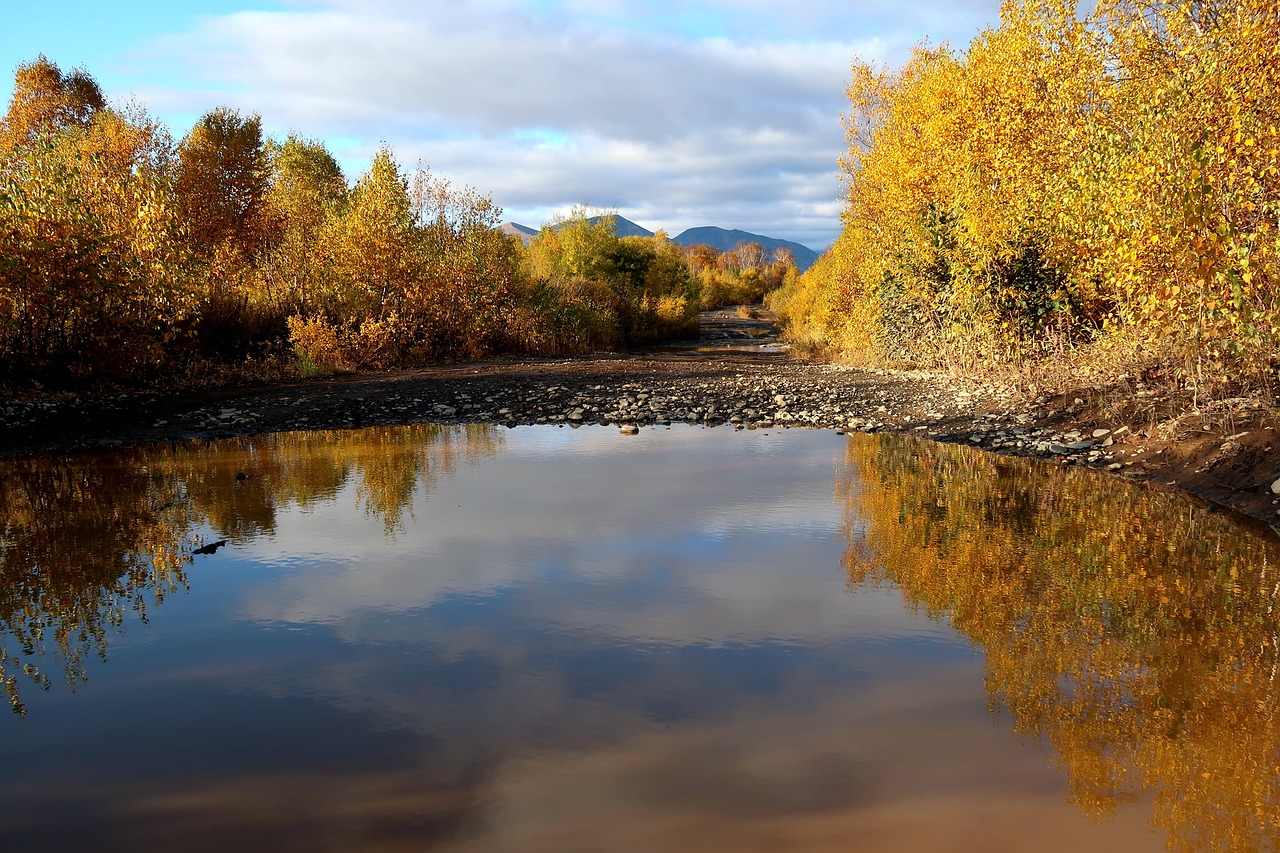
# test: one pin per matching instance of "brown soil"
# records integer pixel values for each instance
(1225, 452)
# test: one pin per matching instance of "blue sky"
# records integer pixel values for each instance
(724, 112)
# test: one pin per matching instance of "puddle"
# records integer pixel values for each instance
(472, 638)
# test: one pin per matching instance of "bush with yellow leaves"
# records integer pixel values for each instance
(1067, 181)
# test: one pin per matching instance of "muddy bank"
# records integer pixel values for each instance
(735, 376)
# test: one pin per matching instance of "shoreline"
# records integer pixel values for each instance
(1222, 454)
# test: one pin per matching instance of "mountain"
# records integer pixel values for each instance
(624, 227)
(621, 226)
(723, 240)
(515, 229)
(717, 238)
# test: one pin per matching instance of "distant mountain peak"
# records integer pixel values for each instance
(622, 226)
(721, 239)
(724, 240)
(523, 233)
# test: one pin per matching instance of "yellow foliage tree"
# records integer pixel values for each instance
(305, 186)
(89, 255)
(1066, 184)
(46, 101)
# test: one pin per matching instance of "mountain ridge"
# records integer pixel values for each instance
(721, 239)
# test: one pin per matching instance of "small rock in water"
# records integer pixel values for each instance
(628, 429)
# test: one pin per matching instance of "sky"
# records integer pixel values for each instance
(672, 114)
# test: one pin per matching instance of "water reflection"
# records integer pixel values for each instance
(1137, 633)
(550, 639)
(89, 542)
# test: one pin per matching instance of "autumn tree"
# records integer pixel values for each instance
(126, 257)
(576, 246)
(464, 304)
(371, 245)
(45, 101)
(221, 181)
(626, 289)
(1099, 187)
(88, 267)
(701, 257)
(750, 256)
(305, 185)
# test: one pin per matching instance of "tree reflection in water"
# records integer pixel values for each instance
(1135, 631)
(87, 540)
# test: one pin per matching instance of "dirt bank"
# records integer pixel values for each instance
(736, 375)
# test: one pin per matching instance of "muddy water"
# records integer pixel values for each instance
(448, 638)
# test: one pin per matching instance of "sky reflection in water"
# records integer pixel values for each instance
(542, 639)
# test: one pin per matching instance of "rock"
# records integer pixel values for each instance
(1275, 488)
(1099, 433)
(628, 429)
(1081, 445)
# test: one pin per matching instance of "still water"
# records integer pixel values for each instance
(475, 639)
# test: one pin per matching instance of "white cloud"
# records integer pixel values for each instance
(675, 114)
